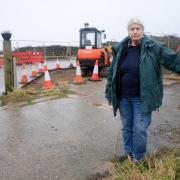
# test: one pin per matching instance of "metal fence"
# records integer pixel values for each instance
(170, 41)
(50, 49)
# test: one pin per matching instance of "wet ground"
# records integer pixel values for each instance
(68, 139)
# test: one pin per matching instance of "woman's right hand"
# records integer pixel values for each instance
(109, 102)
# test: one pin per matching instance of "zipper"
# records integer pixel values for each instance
(117, 61)
(140, 71)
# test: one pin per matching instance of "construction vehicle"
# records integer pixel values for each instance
(91, 49)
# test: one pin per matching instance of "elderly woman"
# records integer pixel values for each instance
(134, 85)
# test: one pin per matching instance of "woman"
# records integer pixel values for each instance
(134, 84)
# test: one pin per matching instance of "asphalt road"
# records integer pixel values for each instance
(67, 139)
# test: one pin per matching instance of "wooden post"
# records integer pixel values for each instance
(68, 51)
(8, 63)
(15, 73)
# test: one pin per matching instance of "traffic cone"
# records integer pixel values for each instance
(95, 75)
(24, 78)
(47, 81)
(45, 67)
(71, 63)
(78, 79)
(33, 72)
(40, 69)
(57, 64)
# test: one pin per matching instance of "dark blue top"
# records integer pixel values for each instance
(129, 73)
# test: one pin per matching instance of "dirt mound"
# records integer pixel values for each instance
(58, 77)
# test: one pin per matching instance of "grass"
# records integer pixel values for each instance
(18, 95)
(164, 165)
(28, 95)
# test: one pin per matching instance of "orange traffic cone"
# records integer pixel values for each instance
(57, 64)
(78, 79)
(40, 69)
(95, 75)
(24, 78)
(47, 81)
(33, 72)
(71, 63)
(45, 67)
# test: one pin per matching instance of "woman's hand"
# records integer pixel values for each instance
(109, 102)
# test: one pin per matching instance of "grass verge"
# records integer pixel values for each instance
(28, 95)
(164, 165)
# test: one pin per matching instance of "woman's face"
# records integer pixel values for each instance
(136, 33)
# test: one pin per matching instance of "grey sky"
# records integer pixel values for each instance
(60, 20)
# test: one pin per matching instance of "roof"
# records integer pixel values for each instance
(89, 29)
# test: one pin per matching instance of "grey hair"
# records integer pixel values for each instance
(135, 21)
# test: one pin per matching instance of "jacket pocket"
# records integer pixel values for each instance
(151, 98)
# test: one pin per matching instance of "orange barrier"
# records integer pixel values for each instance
(1, 61)
(78, 79)
(28, 57)
(47, 81)
(95, 75)
(24, 78)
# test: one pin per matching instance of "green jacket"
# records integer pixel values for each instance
(153, 55)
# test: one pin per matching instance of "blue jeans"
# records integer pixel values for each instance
(135, 125)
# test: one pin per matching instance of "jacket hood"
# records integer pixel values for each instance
(148, 41)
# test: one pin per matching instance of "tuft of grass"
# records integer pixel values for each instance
(163, 165)
(50, 92)
(28, 95)
(60, 91)
(18, 95)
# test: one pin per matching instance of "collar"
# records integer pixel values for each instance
(138, 45)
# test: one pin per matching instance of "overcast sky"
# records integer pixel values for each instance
(60, 20)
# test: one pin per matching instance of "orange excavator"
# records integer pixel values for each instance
(91, 49)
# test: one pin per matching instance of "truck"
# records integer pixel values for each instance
(91, 49)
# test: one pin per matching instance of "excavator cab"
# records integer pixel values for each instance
(91, 49)
(90, 38)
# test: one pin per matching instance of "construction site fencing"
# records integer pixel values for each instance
(50, 49)
(26, 52)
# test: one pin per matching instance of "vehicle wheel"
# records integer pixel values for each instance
(86, 72)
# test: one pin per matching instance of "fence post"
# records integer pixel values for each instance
(8, 62)
(15, 72)
(68, 51)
